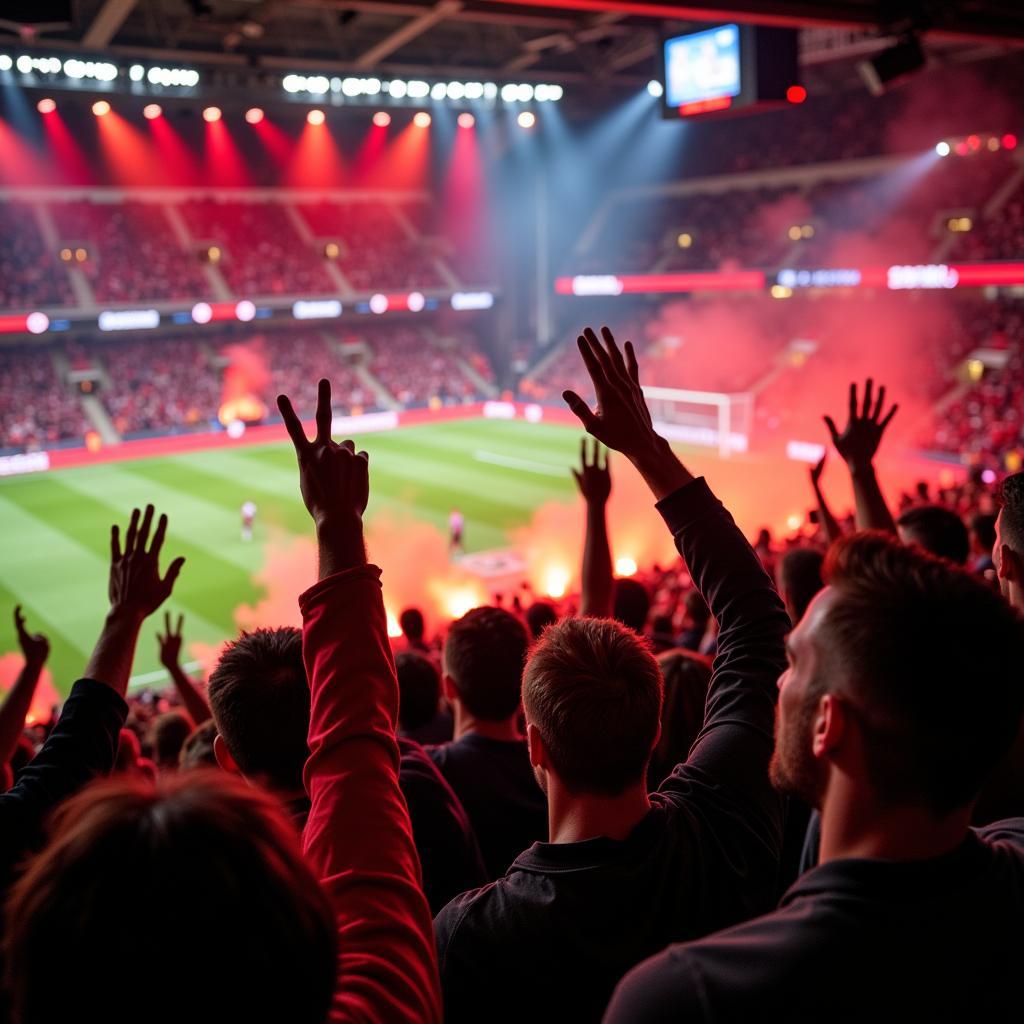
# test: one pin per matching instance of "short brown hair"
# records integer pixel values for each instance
(483, 655)
(593, 689)
(259, 698)
(928, 655)
(223, 893)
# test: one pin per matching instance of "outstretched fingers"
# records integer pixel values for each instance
(323, 411)
(292, 423)
(581, 410)
(133, 529)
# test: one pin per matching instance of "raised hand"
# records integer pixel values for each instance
(817, 470)
(593, 478)
(136, 587)
(622, 420)
(334, 481)
(858, 443)
(170, 642)
(34, 646)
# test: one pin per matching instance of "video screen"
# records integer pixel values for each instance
(702, 65)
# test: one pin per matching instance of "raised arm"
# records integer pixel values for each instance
(857, 445)
(84, 741)
(829, 523)
(170, 657)
(736, 741)
(358, 836)
(36, 648)
(594, 481)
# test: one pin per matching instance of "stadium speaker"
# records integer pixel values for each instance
(891, 66)
(37, 12)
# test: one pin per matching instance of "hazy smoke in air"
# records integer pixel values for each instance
(46, 696)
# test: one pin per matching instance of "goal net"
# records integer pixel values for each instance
(705, 418)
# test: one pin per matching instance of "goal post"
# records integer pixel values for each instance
(709, 419)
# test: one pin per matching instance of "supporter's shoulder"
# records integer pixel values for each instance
(468, 917)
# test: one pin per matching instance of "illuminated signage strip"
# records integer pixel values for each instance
(128, 320)
(898, 277)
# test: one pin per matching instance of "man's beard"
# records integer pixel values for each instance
(792, 768)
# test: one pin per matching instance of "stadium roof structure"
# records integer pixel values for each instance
(564, 41)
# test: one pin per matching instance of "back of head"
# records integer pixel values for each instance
(926, 653)
(167, 736)
(593, 690)
(483, 655)
(686, 679)
(197, 751)
(632, 603)
(129, 750)
(225, 899)
(937, 529)
(983, 532)
(799, 577)
(539, 616)
(412, 624)
(259, 698)
(419, 689)
(1011, 513)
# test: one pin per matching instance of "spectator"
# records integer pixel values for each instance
(1008, 553)
(413, 629)
(799, 579)
(167, 736)
(487, 763)
(539, 616)
(983, 541)
(421, 716)
(937, 530)
(260, 702)
(197, 751)
(631, 604)
(624, 870)
(909, 909)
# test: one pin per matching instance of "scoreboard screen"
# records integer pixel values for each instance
(703, 66)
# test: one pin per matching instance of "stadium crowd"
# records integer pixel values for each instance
(765, 781)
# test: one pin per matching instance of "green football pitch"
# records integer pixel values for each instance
(55, 527)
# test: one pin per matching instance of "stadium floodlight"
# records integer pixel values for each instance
(254, 115)
(526, 119)
(351, 87)
(212, 114)
(202, 313)
(371, 86)
(101, 108)
(655, 88)
(418, 90)
(555, 93)
(438, 91)
(46, 105)
(378, 304)
(5, 62)
(942, 148)
(245, 311)
(316, 117)
(490, 91)
(177, 77)
(474, 90)
(422, 119)
(524, 93)
(509, 93)
(37, 323)
(382, 119)
(136, 72)
(456, 90)
(101, 70)
(151, 111)
(416, 302)
(466, 120)
(398, 89)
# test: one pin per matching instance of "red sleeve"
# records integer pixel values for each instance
(358, 838)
